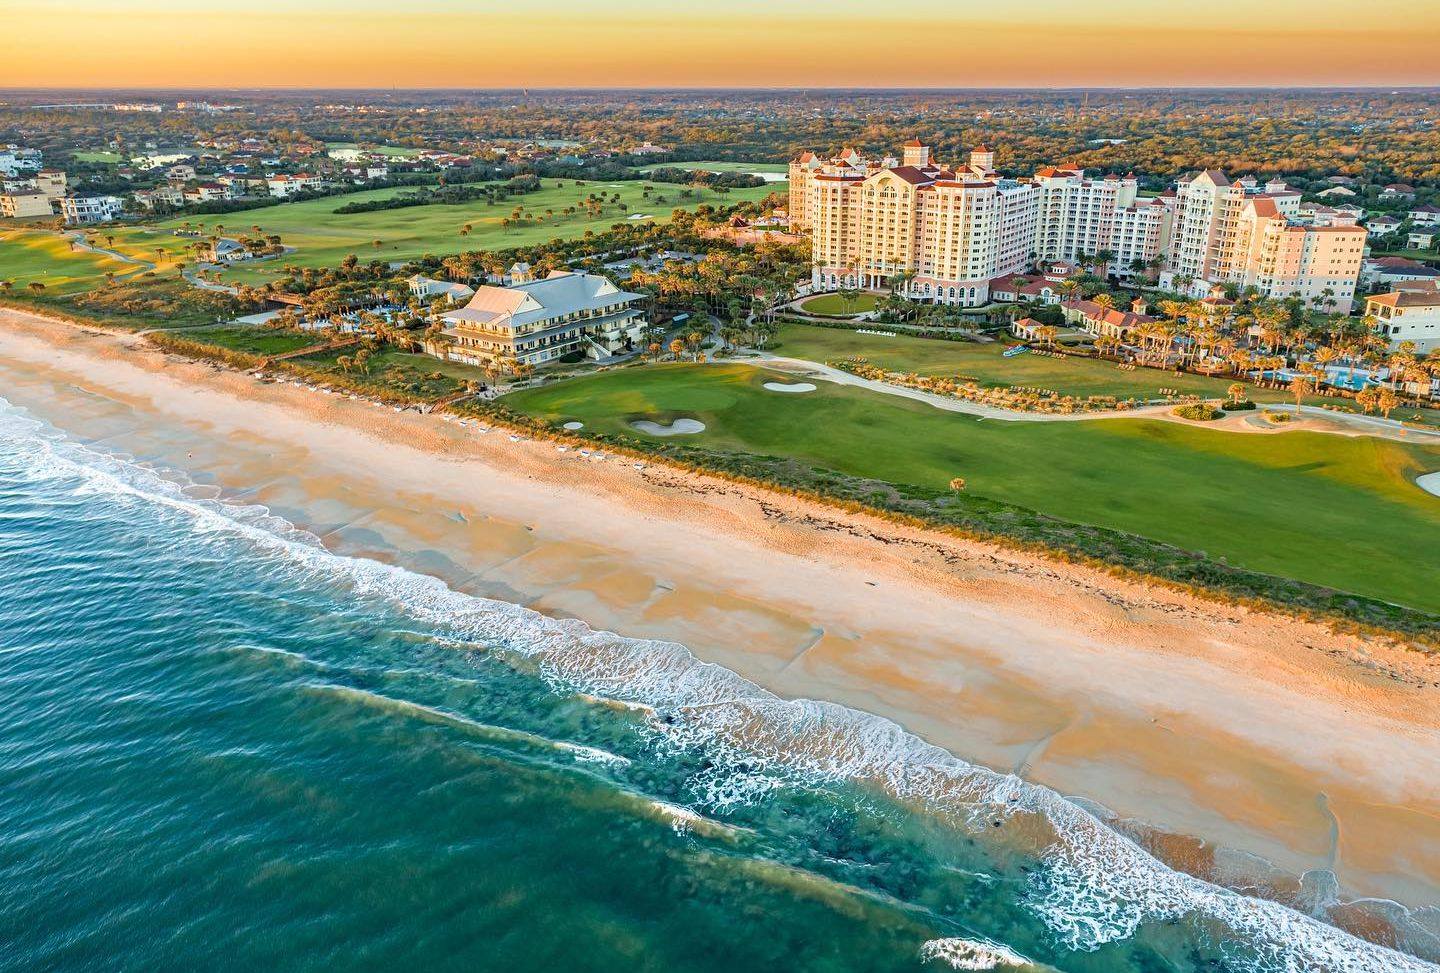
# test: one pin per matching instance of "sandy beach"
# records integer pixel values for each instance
(1228, 735)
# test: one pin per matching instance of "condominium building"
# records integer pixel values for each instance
(1080, 216)
(943, 232)
(540, 321)
(1236, 232)
(1282, 257)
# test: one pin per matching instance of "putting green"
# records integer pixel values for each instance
(1334, 510)
(833, 305)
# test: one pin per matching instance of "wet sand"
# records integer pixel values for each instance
(1251, 733)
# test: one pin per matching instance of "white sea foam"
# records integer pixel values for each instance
(592, 755)
(1096, 886)
(973, 954)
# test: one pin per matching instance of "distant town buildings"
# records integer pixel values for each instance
(950, 233)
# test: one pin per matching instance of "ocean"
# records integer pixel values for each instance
(223, 746)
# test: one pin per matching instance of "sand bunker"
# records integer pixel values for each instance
(572, 426)
(790, 387)
(680, 427)
(1430, 483)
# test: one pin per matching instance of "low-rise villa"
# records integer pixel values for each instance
(540, 321)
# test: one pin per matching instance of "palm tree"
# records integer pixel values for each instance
(7, 286)
(1300, 386)
(36, 287)
(1387, 401)
(1236, 391)
(957, 484)
(676, 347)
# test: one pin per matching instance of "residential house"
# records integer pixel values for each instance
(1427, 215)
(90, 208)
(24, 204)
(540, 321)
(1383, 224)
(428, 287)
(1421, 241)
(16, 160)
(159, 198)
(205, 192)
(1336, 192)
(1389, 271)
(286, 186)
(1408, 314)
(1398, 190)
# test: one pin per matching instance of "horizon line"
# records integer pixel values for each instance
(1238, 86)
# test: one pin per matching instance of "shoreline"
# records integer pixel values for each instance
(1197, 718)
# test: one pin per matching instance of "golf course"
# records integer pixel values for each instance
(322, 238)
(40, 256)
(1332, 510)
(986, 364)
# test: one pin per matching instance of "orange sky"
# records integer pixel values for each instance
(587, 43)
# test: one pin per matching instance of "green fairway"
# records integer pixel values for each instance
(986, 364)
(834, 305)
(755, 167)
(108, 158)
(28, 256)
(323, 238)
(1333, 510)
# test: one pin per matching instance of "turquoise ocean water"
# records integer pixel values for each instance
(224, 747)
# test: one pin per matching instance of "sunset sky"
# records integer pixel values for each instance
(642, 43)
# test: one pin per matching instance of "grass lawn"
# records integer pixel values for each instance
(1333, 510)
(28, 255)
(833, 305)
(323, 238)
(258, 341)
(986, 364)
(109, 158)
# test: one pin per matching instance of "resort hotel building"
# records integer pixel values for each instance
(541, 320)
(944, 233)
